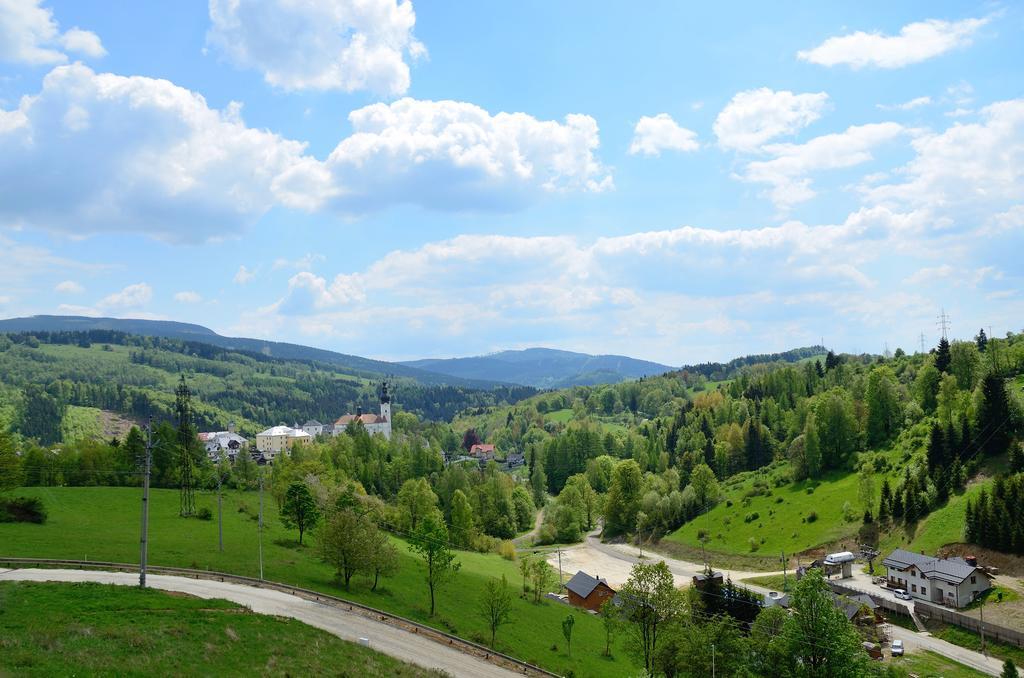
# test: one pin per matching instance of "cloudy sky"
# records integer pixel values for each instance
(403, 180)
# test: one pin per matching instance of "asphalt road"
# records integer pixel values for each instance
(924, 641)
(396, 642)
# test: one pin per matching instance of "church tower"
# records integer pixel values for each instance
(385, 408)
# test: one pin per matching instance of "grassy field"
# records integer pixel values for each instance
(927, 664)
(98, 629)
(566, 415)
(783, 516)
(940, 527)
(103, 524)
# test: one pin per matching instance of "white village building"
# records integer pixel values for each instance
(278, 439)
(373, 423)
(955, 582)
(224, 444)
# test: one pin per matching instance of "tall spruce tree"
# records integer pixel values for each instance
(993, 415)
(942, 357)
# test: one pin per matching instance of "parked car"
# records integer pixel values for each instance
(902, 594)
(897, 648)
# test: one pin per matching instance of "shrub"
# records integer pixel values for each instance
(22, 510)
(810, 490)
(779, 500)
(483, 543)
(754, 545)
(507, 550)
(751, 517)
(204, 514)
(728, 503)
(812, 516)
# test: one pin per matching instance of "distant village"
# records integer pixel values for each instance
(280, 439)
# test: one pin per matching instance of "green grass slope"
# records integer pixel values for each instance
(783, 521)
(103, 524)
(99, 629)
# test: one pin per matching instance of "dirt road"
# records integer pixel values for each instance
(614, 561)
(393, 641)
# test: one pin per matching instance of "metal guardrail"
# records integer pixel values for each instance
(455, 642)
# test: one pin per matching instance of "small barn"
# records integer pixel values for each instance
(588, 592)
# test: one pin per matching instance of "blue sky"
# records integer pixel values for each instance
(672, 182)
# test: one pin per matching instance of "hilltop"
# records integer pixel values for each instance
(543, 367)
(355, 365)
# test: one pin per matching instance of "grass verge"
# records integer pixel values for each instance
(55, 629)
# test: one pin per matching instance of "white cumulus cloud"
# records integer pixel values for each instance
(916, 42)
(978, 164)
(132, 296)
(188, 297)
(756, 116)
(30, 35)
(243, 275)
(652, 135)
(906, 105)
(455, 155)
(788, 170)
(102, 152)
(346, 45)
(69, 287)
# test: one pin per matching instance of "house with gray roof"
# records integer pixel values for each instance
(588, 592)
(954, 582)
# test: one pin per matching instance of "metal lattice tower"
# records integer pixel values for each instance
(186, 437)
(943, 324)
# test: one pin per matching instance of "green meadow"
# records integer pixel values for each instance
(102, 629)
(102, 523)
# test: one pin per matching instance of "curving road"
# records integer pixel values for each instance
(351, 626)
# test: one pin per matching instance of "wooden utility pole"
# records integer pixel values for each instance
(144, 539)
(261, 526)
(220, 504)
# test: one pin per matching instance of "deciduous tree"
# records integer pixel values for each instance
(650, 602)
(430, 541)
(300, 510)
(496, 605)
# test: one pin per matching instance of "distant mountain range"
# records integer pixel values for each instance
(189, 332)
(536, 367)
(544, 367)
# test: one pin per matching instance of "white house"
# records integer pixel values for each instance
(373, 423)
(947, 581)
(278, 439)
(223, 443)
(313, 427)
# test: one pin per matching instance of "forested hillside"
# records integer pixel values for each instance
(188, 332)
(41, 374)
(544, 368)
(899, 434)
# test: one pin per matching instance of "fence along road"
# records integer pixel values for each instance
(396, 636)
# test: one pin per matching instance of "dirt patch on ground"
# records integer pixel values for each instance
(1009, 565)
(115, 425)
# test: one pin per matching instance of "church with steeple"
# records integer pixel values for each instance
(373, 423)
